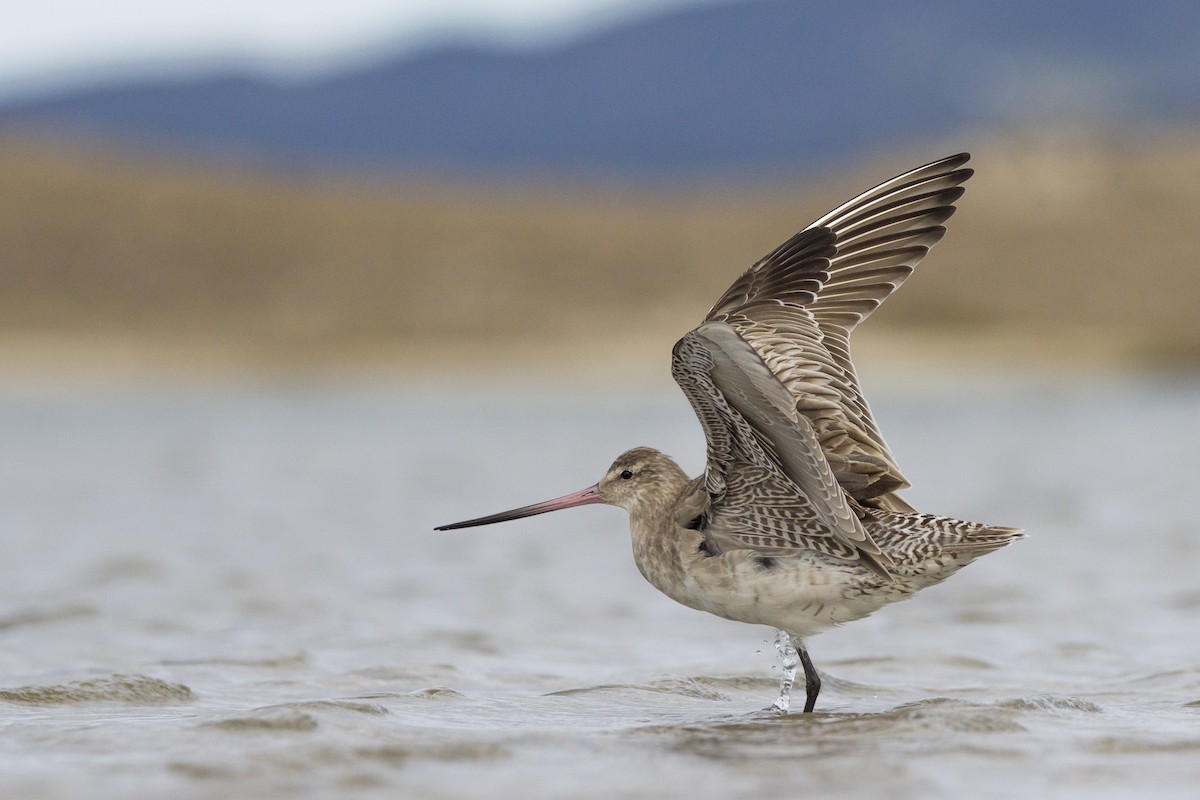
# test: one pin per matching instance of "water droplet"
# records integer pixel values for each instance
(758, 652)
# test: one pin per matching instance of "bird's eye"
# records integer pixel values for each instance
(626, 474)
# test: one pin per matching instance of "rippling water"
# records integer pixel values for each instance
(235, 591)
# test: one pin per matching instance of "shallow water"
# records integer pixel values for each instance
(234, 590)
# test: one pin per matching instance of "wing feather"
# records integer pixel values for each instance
(799, 304)
(770, 486)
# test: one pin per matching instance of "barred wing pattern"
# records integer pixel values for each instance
(798, 306)
(770, 487)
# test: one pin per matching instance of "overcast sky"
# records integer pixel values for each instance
(52, 41)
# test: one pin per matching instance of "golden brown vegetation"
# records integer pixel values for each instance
(1062, 248)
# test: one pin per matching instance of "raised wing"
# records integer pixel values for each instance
(798, 306)
(770, 487)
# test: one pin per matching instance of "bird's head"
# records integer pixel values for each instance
(637, 479)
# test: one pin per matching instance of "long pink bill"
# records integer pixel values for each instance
(580, 498)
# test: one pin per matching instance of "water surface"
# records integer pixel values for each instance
(235, 590)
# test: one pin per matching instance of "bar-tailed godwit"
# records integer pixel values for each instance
(796, 522)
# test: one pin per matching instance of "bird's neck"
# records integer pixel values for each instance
(653, 527)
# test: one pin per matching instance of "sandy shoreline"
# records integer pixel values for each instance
(1066, 256)
(898, 357)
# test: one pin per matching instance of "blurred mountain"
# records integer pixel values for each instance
(716, 89)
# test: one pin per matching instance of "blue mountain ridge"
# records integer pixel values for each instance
(723, 88)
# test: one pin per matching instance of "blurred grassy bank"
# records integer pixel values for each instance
(1064, 251)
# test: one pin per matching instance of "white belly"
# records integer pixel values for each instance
(802, 594)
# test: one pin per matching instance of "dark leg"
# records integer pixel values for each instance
(812, 681)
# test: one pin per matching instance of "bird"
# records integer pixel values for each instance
(796, 522)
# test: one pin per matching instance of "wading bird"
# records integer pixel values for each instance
(796, 522)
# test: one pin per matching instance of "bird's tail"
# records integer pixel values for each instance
(914, 539)
(979, 539)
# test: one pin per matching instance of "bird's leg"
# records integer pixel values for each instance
(812, 681)
(789, 659)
